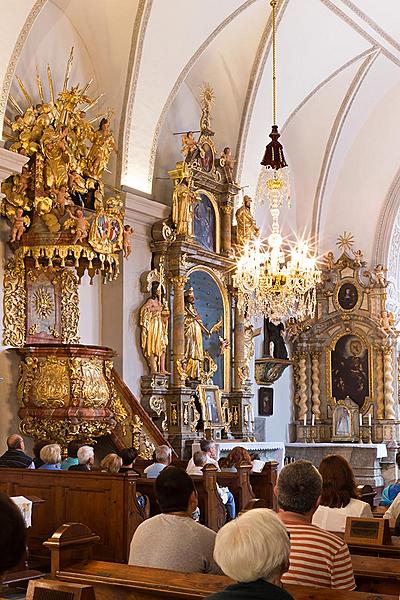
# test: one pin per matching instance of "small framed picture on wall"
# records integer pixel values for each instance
(265, 401)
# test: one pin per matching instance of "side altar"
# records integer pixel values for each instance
(196, 342)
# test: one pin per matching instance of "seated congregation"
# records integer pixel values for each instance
(261, 550)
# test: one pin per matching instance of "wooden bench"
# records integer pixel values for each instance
(376, 574)
(105, 502)
(111, 580)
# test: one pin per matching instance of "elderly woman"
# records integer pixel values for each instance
(111, 463)
(51, 457)
(254, 551)
(339, 498)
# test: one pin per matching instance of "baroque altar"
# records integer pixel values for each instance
(345, 358)
(195, 340)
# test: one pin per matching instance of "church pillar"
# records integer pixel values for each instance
(239, 357)
(388, 378)
(226, 226)
(302, 386)
(315, 399)
(178, 344)
(380, 403)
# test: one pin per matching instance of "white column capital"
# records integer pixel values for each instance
(11, 163)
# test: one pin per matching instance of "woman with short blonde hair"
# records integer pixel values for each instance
(254, 551)
(51, 456)
(111, 463)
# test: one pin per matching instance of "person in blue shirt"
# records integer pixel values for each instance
(163, 459)
(51, 457)
(72, 458)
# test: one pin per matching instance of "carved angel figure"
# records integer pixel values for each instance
(189, 145)
(81, 225)
(126, 242)
(229, 162)
(19, 224)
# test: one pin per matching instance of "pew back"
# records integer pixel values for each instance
(105, 502)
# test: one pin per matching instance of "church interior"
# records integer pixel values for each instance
(196, 258)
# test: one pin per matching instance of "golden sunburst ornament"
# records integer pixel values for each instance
(43, 303)
(207, 95)
(345, 241)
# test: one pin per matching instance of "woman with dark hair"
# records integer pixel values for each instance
(339, 498)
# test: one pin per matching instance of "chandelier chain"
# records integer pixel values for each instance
(273, 6)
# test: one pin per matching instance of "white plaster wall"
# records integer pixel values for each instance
(90, 303)
(141, 213)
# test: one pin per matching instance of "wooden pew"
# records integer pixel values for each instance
(263, 483)
(111, 580)
(239, 484)
(377, 575)
(105, 502)
(212, 510)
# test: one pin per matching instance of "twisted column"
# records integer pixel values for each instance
(315, 393)
(238, 345)
(389, 390)
(178, 344)
(380, 401)
(302, 387)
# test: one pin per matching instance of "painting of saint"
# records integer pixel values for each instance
(204, 223)
(211, 408)
(349, 369)
(207, 158)
(348, 296)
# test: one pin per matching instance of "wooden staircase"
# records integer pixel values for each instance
(135, 428)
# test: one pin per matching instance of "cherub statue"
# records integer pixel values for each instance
(62, 198)
(229, 162)
(81, 225)
(18, 225)
(189, 145)
(126, 240)
(329, 261)
(21, 182)
(359, 258)
(387, 322)
(379, 276)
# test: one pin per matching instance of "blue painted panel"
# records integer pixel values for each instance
(209, 305)
(204, 223)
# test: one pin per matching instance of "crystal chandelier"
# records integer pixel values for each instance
(278, 279)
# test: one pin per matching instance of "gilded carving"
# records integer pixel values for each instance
(51, 385)
(27, 370)
(14, 302)
(88, 382)
(157, 403)
(69, 307)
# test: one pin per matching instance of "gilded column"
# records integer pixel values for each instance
(315, 392)
(226, 226)
(302, 386)
(239, 355)
(388, 378)
(178, 342)
(380, 402)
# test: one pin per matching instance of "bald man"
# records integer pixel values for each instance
(15, 457)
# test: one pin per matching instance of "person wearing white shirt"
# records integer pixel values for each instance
(394, 509)
(339, 495)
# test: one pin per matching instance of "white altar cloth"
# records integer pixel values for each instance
(268, 450)
(381, 449)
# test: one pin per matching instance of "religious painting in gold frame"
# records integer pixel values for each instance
(349, 371)
(345, 425)
(211, 409)
(348, 295)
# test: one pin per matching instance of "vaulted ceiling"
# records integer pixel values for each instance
(338, 93)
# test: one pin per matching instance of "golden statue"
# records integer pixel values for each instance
(182, 208)
(153, 320)
(246, 229)
(194, 329)
(57, 157)
(99, 153)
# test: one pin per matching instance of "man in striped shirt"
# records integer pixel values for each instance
(317, 557)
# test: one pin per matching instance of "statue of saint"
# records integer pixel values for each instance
(194, 329)
(154, 336)
(182, 208)
(246, 224)
(99, 153)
